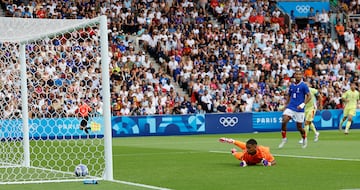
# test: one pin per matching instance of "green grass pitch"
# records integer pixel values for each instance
(200, 162)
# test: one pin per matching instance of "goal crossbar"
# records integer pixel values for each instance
(39, 29)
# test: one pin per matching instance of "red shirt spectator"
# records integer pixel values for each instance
(339, 106)
(357, 42)
(186, 50)
(287, 78)
(229, 108)
(213, 86)
(274, 20)
(41, 13)
(170, 103)
(281, 21)
(214, 3)
(267, 66)
(309, 41)
(260, 19)
(309, 53)
(252, 19)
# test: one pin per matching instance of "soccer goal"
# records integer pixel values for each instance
(49, 69)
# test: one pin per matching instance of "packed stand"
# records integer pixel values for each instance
(229, 56)
(243, 61)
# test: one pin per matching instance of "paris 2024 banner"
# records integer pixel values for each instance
(163, 125)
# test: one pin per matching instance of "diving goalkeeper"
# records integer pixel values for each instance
(252, 153)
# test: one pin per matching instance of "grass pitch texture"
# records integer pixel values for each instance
(201, 162)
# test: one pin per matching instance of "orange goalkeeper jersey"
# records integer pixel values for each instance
(261, 152)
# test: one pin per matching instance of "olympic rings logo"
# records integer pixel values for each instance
(228, 121)
(302, 8)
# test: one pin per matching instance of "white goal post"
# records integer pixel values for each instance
(49, 69)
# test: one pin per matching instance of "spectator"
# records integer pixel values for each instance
(340, 32)
(324, 20)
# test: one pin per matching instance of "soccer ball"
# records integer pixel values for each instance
(81, 170)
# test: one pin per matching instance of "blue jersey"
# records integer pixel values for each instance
(297, 94)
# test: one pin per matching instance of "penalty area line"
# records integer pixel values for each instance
(296, 156)
(140, 185)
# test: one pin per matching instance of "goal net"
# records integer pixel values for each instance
(54, 98)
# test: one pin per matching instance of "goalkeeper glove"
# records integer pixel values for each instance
(265, 162)
(243, 164)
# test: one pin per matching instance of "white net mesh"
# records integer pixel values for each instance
(18, 30)
(66, 124)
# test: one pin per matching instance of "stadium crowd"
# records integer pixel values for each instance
(229, 56)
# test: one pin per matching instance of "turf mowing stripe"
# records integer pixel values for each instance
(295, 156)
(316, 157)
(140, 185)
(154, 153)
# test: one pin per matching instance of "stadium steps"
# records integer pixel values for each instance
(157, 67)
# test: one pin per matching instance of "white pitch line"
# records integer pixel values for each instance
(140, 185)
(307, 157)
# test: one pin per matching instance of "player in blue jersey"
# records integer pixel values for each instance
(298, 96)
